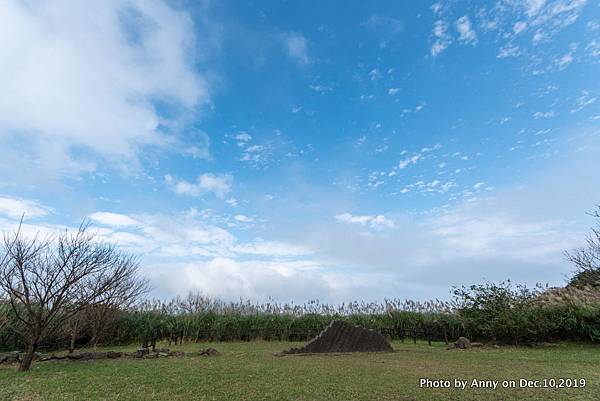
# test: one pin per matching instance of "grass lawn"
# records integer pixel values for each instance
(249, 371)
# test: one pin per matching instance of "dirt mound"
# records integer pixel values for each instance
(341, 336)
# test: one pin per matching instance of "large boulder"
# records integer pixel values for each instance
(341, 336)
(462, 343)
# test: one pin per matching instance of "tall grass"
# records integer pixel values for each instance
(201, 318)
(500, 313)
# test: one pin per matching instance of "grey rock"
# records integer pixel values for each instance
(462, 343)
(140, 353)
(52, 357)
(87, 356)
(10, 357)
(210, 352)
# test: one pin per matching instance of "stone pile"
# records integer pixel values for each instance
(341, 336)
(15, 356)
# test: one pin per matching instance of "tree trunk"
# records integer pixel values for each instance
(74, 334)
(72, 343)
(28, 358)
(94, 341)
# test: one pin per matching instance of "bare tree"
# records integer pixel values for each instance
(48, 281)
(73, 327)
(101, 316)
(587, 259)
(194, 302)
(3, 314)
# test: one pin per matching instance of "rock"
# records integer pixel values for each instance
(140, 353)
(113, 354)
(10, 357)
(177, 353)
(210, 352)
(462, 343)
(52, 357)
(87, 356)
(341, 336)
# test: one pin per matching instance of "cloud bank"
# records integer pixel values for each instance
(78, 78)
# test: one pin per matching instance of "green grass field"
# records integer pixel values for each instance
(249, 371)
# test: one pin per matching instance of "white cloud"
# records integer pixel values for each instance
(321, 88)
(198, 148)
(272, 248)
(534, 6)
(553, 17)
(182, 252)
(518, 232)
(583, 101)
(393, 91)
(15, 208)
(296, 47)
(374, 74)
(593, 48)
(219, 184)
(388, 25)
(546, 114)
(79, 76)
(408, 161)
(416, 109)
(519, 27)
(566, 59)
(436, 8)
(113, 219)
(349, 218)
(442, 39)
(256, 155)
(232, 202)
(377, 222)
(230, 279)
(243, 218)
(179, 235)
(243, 137)
(535, 21)
(508, 50)
(465, 30)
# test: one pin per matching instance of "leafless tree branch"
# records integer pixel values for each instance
(48, 281)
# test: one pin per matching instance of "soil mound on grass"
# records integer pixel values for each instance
(341, 336)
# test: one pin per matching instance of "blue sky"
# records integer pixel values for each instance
(296, 150)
